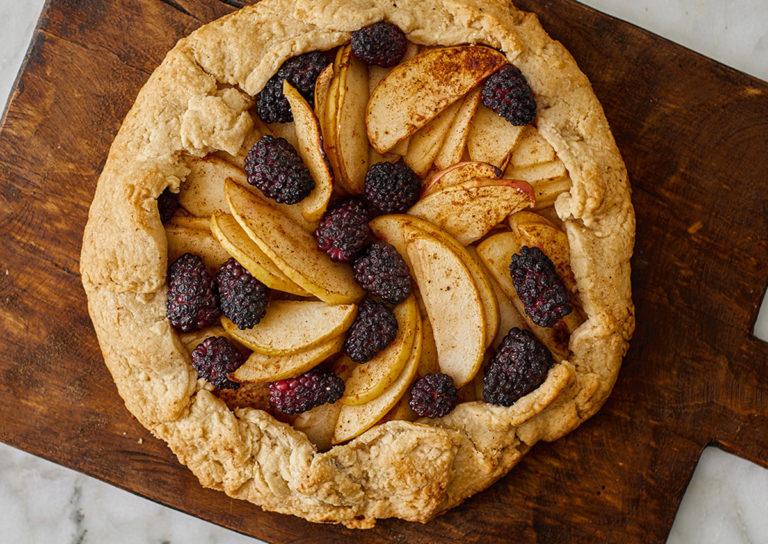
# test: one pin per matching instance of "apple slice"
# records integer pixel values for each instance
(291, 326)
(319, 423)
(377, 73)
(398, 229)
(416, 91)
(310, 149)
(547, 191)
(491, 138)
(369, 380)
(355, 420)
(287, 131)
(183, 240)
(292, 249)
(328, 126)
(351, 141)
(509, 317)
(468, 211)
(245, 251)
(427, 142)
(260, 367)
(374, 157)
(453, 305)
(546, 170)
(456, 141)
(322, 86)
(496, 252)
(429, 363)
(459, 173)
(192, 339)
(189, 222)
(531, 149)
(248, 395)
(401, 411)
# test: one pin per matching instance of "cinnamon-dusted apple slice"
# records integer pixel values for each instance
(496, 252)
(183, 240)
(427, 142)
(322, 86)
(469, 210)
(531, 149)
(287, 131)
(310, 149)
(417, 90)
(456, 141)
(459, 173)
(292, 249)
(509, 317)
(239, 245)
(398, 229)
(491, 138)
(351, 141)
(260, 367)
(453, 305)
(202, 192)
(429, 363)
(189, 222)
(546, 170)
(291, 326)
(401, 411)
(547, 190)
(368, 380)
(192, 339)
(355, 420)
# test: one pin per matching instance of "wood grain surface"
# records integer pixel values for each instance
(695, 138)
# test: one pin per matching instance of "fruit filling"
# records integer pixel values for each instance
(382, 248)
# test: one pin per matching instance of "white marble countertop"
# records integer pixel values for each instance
(725, 503)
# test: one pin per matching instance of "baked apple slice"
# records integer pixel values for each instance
(536, 172)
(496, 252)
(287, 131)
(456, 141)
(429, 363)
(459, 173)
(492, 138)
(310, 149)
(260, 367)
(509, 317)
(531, 149)
(351, 142)
(398, 229)
(291, 326)
(469, 210)
(453, 305)
(427, 142)
(355, 420)
(238, 244)
(367, 381)
(182, 239)
(416, 91)
(192, 339)
(292, 249)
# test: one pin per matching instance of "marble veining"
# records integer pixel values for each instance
(725, 503)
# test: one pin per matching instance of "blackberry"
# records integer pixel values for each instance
(193, 302)
(375, 327)
(243, 297)
(380, 44)
(216, 357)
(301, 72)
(519, 365)
(167, 204)
(343, 231)
(273, 166)
(540, 288)
(507, 93)
(434, 395)
(392, 187)
(382, 272)
(302, 393)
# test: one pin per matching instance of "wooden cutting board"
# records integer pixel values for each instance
(694, 135)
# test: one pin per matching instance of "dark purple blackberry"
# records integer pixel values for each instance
(167, 204)
(243, 297)
(434, 395)
(192, 299)
(519, 365)
(382, 272)
(302, 393)
(380, 44)
(540, 288)
(375, 327)
(216, 357)
(343, 231)
(392, 187)
(507, 93)
(301, 72)
(273, 166)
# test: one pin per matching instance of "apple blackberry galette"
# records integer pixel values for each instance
(352, 259)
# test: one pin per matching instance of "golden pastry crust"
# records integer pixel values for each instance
(195, 103)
